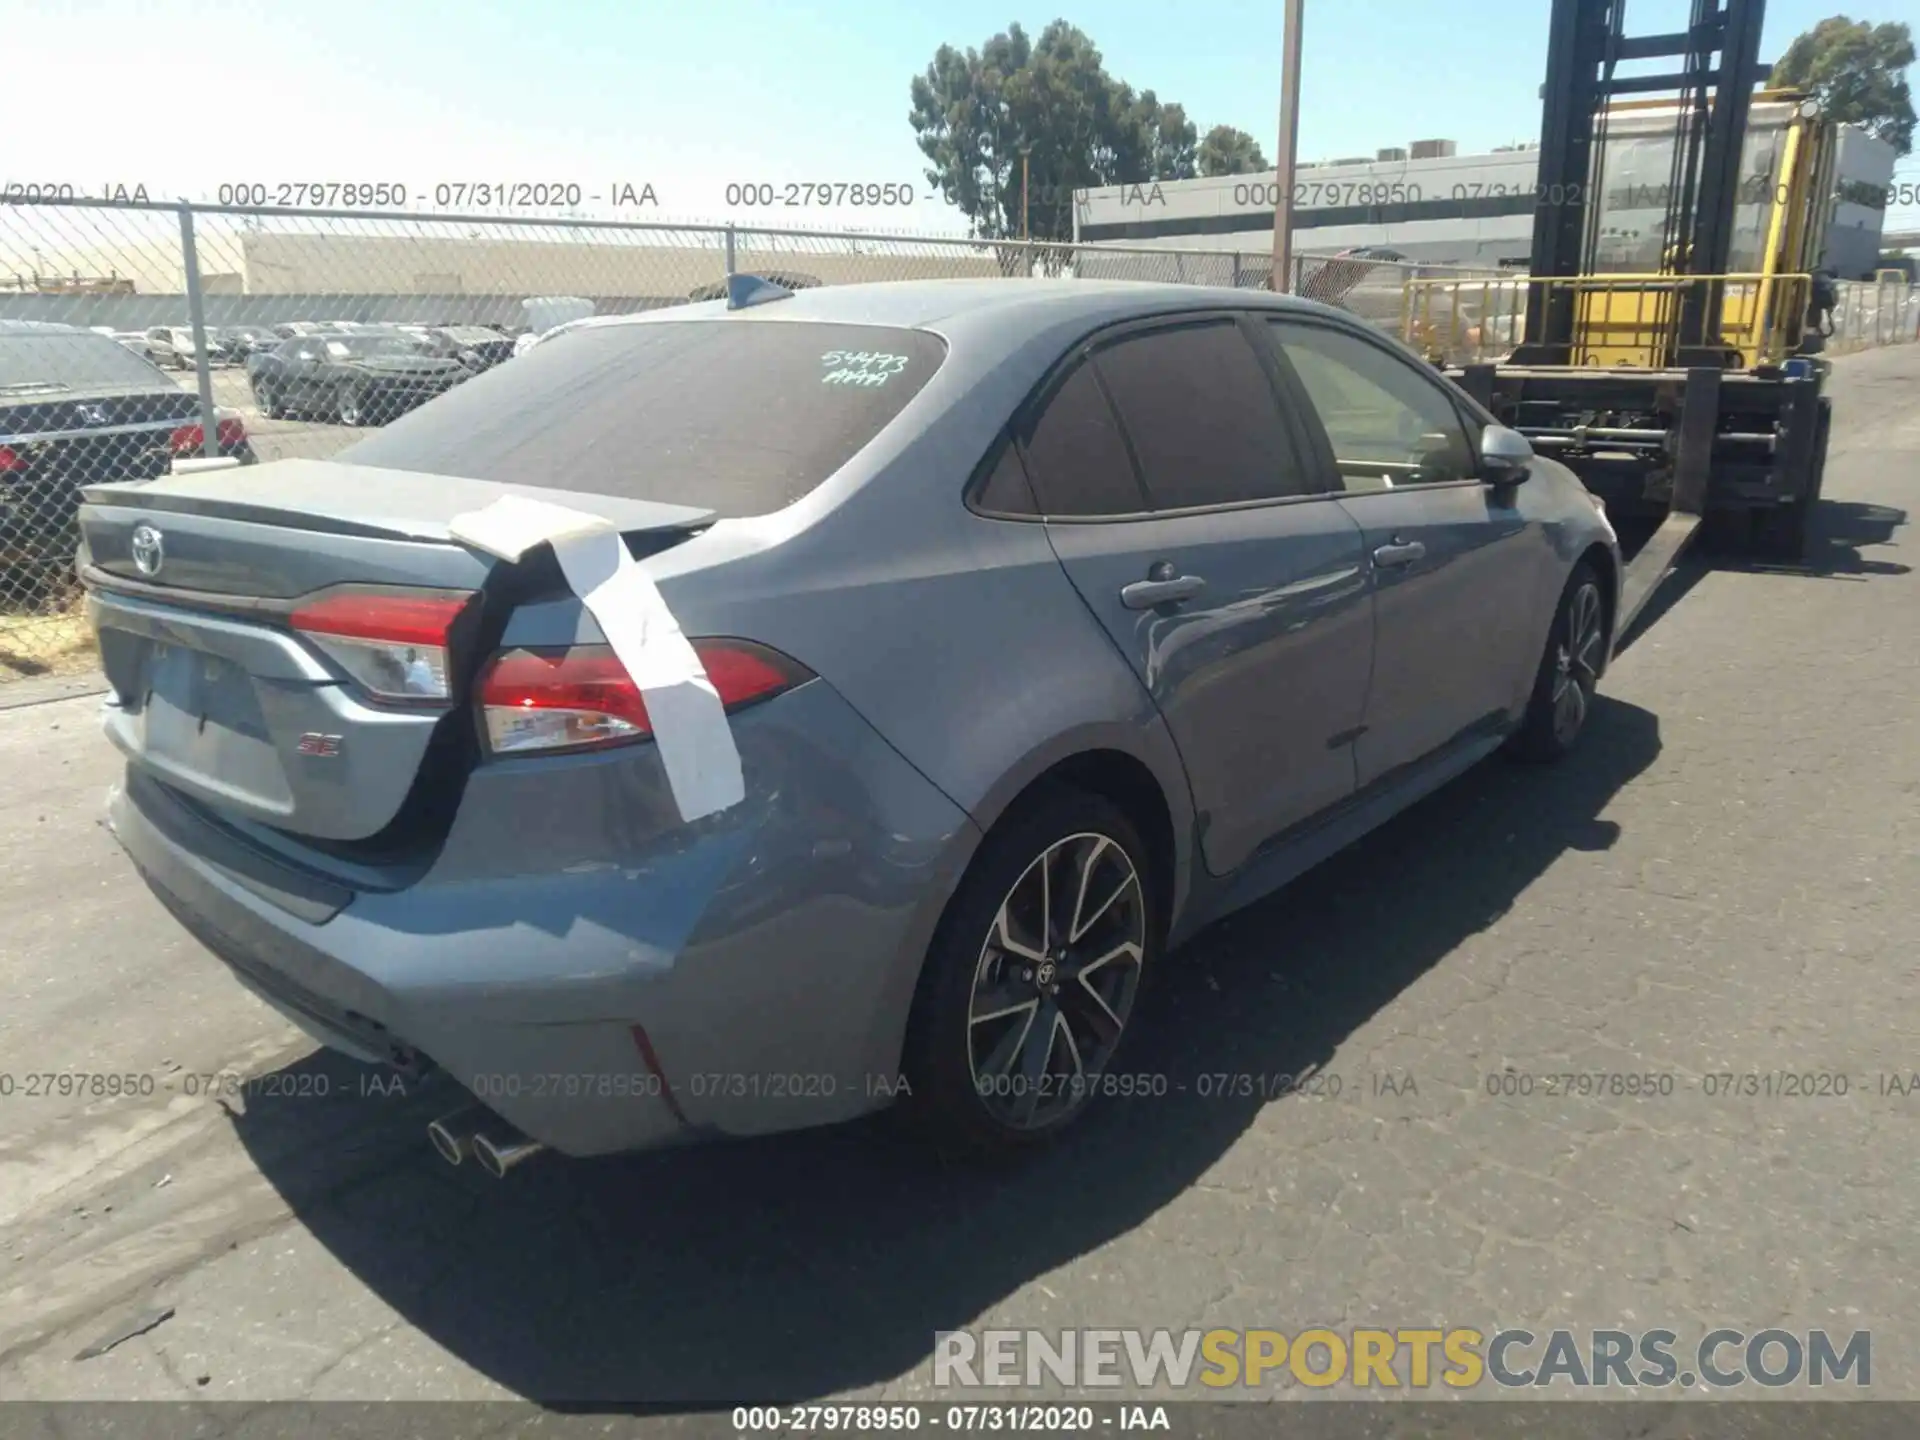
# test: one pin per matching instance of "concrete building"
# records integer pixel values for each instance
(352, 258)
(1432, 204)
(439, 271)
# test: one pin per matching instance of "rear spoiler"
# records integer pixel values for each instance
(330, 497)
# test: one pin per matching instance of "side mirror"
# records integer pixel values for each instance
(1506, 456)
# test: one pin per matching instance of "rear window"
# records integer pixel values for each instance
(741, 417)
(72, 362)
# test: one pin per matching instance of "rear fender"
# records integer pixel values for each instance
(1145, 740)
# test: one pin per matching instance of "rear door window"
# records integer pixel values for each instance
(1077, 460)
(1203, 417)
(741, 417)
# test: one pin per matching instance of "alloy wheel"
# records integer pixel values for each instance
(1577, 662)
(1056, 982)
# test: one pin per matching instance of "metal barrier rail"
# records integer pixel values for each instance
(1607, 320)
(1872, 313)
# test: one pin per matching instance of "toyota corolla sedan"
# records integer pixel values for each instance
(1050, 620)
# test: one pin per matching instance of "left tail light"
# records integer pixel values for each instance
(12, 461)
(398, 646)
(229, 430)
(543, 701)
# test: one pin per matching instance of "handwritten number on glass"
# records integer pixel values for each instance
(861, 367)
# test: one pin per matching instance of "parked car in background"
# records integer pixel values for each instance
(267, 356)
(77, 408)
(354, 377)
(1052, 620)
(475, 346)
(137, 342)
(242, 340)
(172, 346)
(546, 313)
(290, 329)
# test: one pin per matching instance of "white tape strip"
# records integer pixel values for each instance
(689, 721)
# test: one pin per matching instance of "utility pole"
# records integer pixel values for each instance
(1025, 151)
(1288, 148)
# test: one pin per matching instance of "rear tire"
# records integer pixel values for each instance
(350, 406)
(1017, 1017)
(271, 405)
(1569, 674)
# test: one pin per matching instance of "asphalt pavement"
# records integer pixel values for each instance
(1724, 882)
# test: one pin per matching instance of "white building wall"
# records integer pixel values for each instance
(1234, 213)
(1864, 167)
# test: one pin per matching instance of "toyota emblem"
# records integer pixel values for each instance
(149, 550)
(93, 415)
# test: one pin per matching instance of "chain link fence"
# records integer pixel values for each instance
(138, 340)
(142, 339)
(1871, 313)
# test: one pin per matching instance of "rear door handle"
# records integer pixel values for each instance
(1148, 594)
(1398, 554)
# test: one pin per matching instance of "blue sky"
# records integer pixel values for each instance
(184, 95)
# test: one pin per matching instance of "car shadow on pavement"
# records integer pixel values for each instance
(810, 1264)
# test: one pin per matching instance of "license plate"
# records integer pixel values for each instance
(199, 690)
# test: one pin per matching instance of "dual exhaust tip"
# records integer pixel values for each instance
(496, 1149)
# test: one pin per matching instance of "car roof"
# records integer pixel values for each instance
(1014, 305)
(989, 321)
(927, 302)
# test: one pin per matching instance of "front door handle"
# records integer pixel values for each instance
(1399, 553)
(1149, 594)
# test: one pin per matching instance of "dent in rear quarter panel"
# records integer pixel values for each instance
(959, 638)
(975, 659)
(778, 940)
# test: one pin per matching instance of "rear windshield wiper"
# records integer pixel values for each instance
(27, 386)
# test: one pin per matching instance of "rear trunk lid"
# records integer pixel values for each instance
(217, 694)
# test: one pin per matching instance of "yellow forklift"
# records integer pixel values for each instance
(1665, 343)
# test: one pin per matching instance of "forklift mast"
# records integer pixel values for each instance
(1718, 60)
(1675, 388)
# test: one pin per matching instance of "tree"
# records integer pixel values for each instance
(1227, 151)
(1856, 70)
(975, 112)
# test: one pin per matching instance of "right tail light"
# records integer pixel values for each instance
(581, 698)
